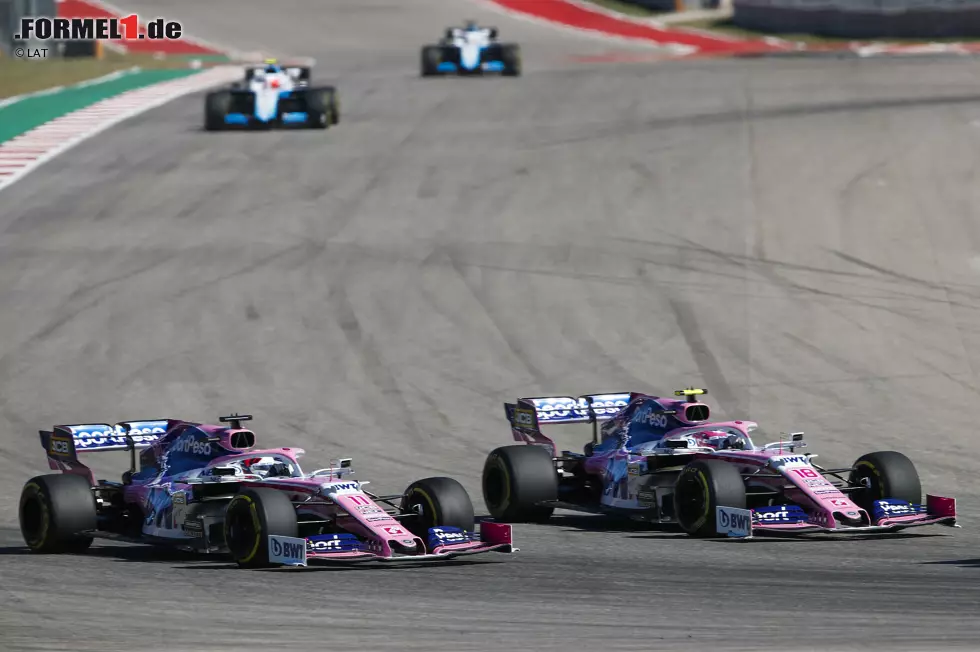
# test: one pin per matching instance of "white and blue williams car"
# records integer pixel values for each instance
(272, 95)
(471, 50)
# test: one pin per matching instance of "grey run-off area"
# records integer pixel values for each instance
(862, 19)
(798, 236)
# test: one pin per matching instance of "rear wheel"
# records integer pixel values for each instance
(251, 517)
(438, 502)
(216, 107)
(885, 474)
(55, 511)
(702, 486)
(516, 479)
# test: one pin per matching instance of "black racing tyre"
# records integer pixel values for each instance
(510, 54)
(431, 58)
(516, 479)
(702, 486)
(55, 510)
(439, 502)
(888, 474)
(216, 107)
(334, 107)
(251, 517)
(318, 102)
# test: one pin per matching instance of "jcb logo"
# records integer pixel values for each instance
(523, 418)
(59, 446)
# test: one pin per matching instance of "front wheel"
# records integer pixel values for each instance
(702, 486)
(510, 54)
(250, 518)
(438, 502)
(334, 108)
(885, 474)
(216, 107)
(319, 107)
(431, 57)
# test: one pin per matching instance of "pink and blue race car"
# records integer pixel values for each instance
(208, 489)
(662, 460)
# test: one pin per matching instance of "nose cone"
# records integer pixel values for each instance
(274, 83)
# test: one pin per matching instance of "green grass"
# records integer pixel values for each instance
(628, 9)
(28, 75)
(726, 26)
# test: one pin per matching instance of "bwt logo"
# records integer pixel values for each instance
(737, 521)
(288, 549)
(790, 459)
(338, 487)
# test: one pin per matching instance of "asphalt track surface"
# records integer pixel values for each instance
(798, 236)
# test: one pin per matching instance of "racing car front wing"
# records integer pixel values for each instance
(739, 523)
(293, 551)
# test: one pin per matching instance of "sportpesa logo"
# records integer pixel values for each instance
(557, 409)
(85, 438)
(188, 444)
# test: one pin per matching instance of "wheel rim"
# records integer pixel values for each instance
(866, 496)
(690, 500)
(493, 487)
(424, 520)
(241, 533)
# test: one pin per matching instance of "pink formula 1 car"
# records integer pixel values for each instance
(661, 460)
(206, 488)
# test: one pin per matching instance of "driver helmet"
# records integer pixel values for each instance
(271, 65)
(471, 26)
(267, 467)
(718, 439)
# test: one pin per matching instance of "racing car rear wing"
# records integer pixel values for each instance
(63, 444)
(528, 414)
(99, 437)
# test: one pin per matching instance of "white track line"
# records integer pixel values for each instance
(27, 152)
